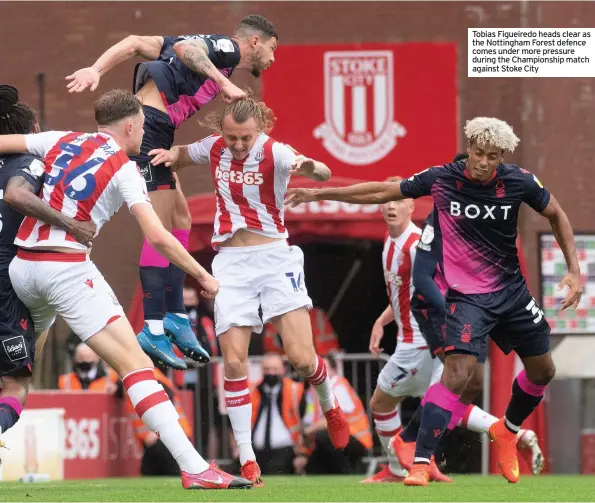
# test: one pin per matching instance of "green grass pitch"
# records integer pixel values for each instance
(324, 489)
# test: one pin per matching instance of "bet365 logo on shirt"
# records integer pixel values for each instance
(392, 278)
(247, 178)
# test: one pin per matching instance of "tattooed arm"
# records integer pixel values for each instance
(194, 54)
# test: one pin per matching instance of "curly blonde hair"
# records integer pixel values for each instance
(240, 111)
(489, 130)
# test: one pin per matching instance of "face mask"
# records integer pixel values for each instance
(83, 366)
(192, 315)
(271, 379)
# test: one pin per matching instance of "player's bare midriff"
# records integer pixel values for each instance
(60, 249)
(245, 237)
(149, 95)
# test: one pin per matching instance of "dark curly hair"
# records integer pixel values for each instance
(16, 117)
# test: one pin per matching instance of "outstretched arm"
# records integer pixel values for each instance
(361, 193)
(369, 193)
(148, 47)
(565, 238)
(13, 144)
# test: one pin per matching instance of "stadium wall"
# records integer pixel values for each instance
(554, 118)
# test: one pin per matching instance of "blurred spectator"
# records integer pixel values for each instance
(88, 373)
(157, 460)
(325, 338)
(318, 455)
(278, 404)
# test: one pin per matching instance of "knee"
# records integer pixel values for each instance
(302, 360)
(235, 367)
(17, 387)
(457, 369)
(381, 402)
(146, 362)
(140, 361)
(543, 374)
(473, 387)
(375, 402)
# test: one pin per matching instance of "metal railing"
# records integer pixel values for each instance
(213, 434)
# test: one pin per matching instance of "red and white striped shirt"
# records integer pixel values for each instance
(250, 193)
(397, 261)
(87, 177)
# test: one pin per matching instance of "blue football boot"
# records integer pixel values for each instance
(180, 332)
(159, 347)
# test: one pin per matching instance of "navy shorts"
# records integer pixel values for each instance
(511, 317)
(17, 334)
(159, 133)
(433, 327)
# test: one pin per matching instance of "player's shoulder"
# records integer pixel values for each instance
(210, 141)
(217, 41)
(17, 159)
(31, 164)
(173, 39)
(414, 229)
(51, 138)
(455, 169)
(212, 138)
(512, 170)
(13, 162)
(223, 43)
(279, 146)
(452, 168)
(515, 172)
(279, 149)
(108, 140)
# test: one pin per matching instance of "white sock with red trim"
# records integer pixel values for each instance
(322, 385)
(239, 410)
(155, 409)
(476, 419)
(388, 424)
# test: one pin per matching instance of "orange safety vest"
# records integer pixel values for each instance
(71, 382)
(292, 393)
(325, 338)
(359, 425)
(140, 429)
